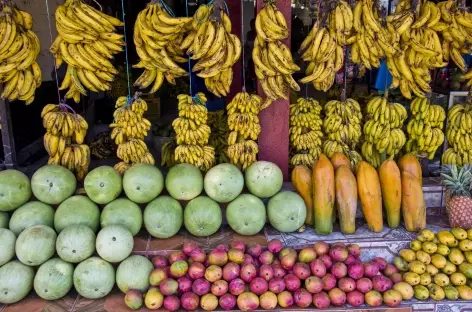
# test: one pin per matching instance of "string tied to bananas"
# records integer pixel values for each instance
(64, 107)
(165, 6)
(126, 47)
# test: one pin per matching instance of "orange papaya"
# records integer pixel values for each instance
(339, 159)
(370, 194)
(346, 198)
(391, 184)
(301, 180)
(323, 195)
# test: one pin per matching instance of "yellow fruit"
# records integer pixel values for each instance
(456, 256)
(436, 292)
(465, 292)
(405, 290)
(469, 234)
(425, 279)
(459, 233)
(439, 261)
(401, 264)
(423, 256)
(431, 269)
(451, 292)
(458, 279)
(415, 245)
(446, 238)
(408, 255)
(428, 235)
(417, 267)
(441, 279)
(449, 268)
(429, 247)
(411, 278)
(443, 250)
(421, 292)
(465, 245)
(468, 256)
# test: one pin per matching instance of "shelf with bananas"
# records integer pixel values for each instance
(425, 127)
(273, 60)
(218, 123)
(19, 48)
(64, 138)
(86, 43)
(158, 38)
(243, 122)
(305, 132)
(383, 135)
(129, 129)
(192, 132)
(459, 135)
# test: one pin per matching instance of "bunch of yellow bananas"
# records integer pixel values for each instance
(86, 42)
(305, 131)
(168, 154)
(273, 60)
(382, 131)
(19, 48)
(459, 135)
(193, 133)
(62, 129)
(424, 128)
(158, 38)
(218, 123)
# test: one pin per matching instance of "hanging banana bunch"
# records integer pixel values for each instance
(273, 60)
(129, 130)
(64, 138)
(19, 48)
(218, 123)
(305, 132)
(459, 135)
(86, 42)
(168, 153)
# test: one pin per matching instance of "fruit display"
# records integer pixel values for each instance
(302, 181)
(168, 153)
(305, 132)
(129, 130)
(193, 133)
(458, 196)
(64, 138)
(383, 130)
(273, 60)
(19, 48)
(218, 122)
(86, 42)
(158, 37)
(425, 128)
(459, 135)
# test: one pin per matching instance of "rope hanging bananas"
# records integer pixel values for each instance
(86, 42)
(19, 48)
(459, 135)
(218, 122)
(64, 138)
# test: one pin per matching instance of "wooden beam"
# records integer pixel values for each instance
(235, 14)
(8, 139)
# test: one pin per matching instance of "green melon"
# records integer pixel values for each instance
(52, 184)
(36, 245)
(142, 183)
(184, 182)
(16, 281)
(114, 243)
(202, 216)
(286, 211)
(246, 215)
(223, 183)
(77, 210)
(122, 211)
(75, 243)
(264, 179)
(53, 279)
(4, 220)
(163, 217)
(7, 246)
(103, 184)
(94, 278)
(31, 214)
(133, 273)
(15, 189)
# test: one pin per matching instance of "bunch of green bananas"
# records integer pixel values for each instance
(86, 42)
(273, 60)
(158, 38)
(424, 128)
(219, 130)
(305, 131)
(193, 133)
(459, 135)
(168, 153)
(19, 48)
(382, 130)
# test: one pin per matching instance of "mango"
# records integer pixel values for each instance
(458, 279)
(468, 256)
(449, 268)
(436, 292)
(465, 245)
(425, 279)
(401, 264)
(405, 290)
(436, 240)
(459, 233)
(466, 269)
(408, 255)
(423, 257)
(443, 250)
(428, 235)
(429, 247)
(417, 267)
(421, 238)
(438, 261)
(415, 245)
(451, 292)
(469, 233)
(456, 257)
(446, 238)
(465, 292)
(411, 278)
(441, 279)
(431, 269)
(421, 292)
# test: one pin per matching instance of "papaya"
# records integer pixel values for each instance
(339, 159)
(370, 194)
(301, 180)
(391, 184)
(413, 204)
(346, 198)
(323, 195)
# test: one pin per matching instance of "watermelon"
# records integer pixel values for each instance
(36, 245)
(202, 216)
(163, 217)
(286, 211)
(103, 184)
(15, 189)
(75, 243)
(264, 179)
(133, 273)
(31, 214)
(52, 184)
(184, 182)
(142, 183)
(246, 215)
(7, 246)
(114, 243)
(4, 219)
(16, 281)
(77, 210)
(53, 279)
(122, 211)
(94, 278)
(223, 183)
